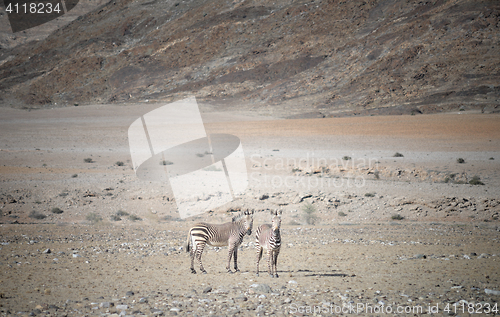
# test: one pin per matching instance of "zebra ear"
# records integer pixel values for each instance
(280, 212)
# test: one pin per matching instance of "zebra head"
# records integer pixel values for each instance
(276, 219)
(248, 221)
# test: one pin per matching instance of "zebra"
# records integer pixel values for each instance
(268, 237)
(227, 234)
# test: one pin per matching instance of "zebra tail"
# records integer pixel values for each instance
(188, 245)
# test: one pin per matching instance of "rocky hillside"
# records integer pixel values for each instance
(286, 58)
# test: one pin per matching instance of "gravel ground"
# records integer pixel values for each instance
(115, 245)
(143, 270)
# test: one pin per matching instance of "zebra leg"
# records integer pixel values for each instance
(192, 254)
(236, 260)
(269, 259)
(199, 251)
(229, 256)
(275, 261)
(259, 256)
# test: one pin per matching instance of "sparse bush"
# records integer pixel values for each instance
(200, 154)
(93, 217)
(212, 168)
(370, 195)
(460, 160)
(119, 163)
(170, 218)
(476, 181)
(74, 175)
(397, 154)
(376, 174)
(56, 210)
(88, 160)
(346, 158)
(397, 217)
(134, 218)
(166, 162)
(37, 215)
(492, 158)
(121, 213)
(342, 214)
(309, 217)
(451, 179)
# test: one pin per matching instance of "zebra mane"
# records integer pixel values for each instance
(238, 217)
(241, 215)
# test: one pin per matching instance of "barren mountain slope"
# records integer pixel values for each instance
(319, 58)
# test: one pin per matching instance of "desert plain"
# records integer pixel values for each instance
(382, 216)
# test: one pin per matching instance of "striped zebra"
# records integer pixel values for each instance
(268, 237)
(227, 234)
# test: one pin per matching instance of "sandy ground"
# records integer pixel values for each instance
(394, 233)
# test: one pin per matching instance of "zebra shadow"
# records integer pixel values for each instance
(318, 274)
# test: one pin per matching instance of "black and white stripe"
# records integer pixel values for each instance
(227, 234)
(268, 238)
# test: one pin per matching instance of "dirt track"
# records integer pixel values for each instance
(444, 251)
